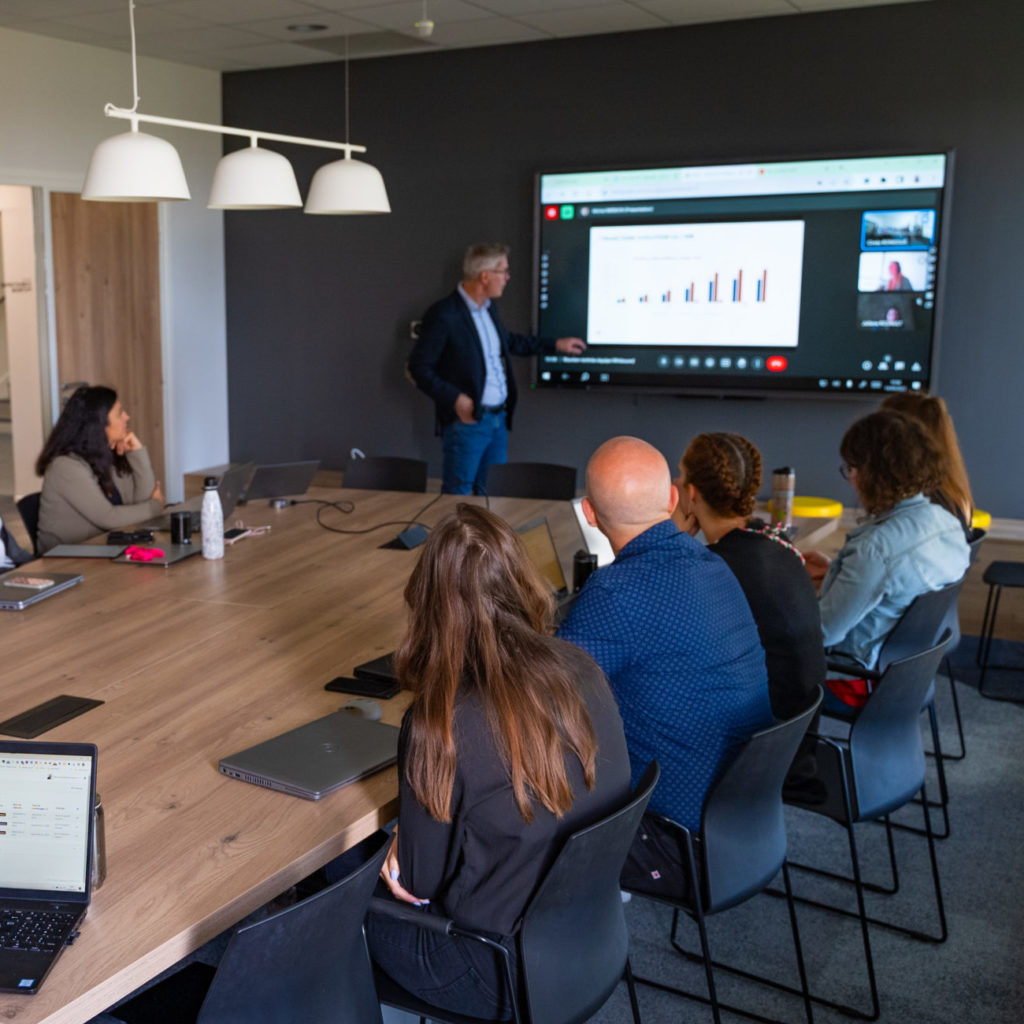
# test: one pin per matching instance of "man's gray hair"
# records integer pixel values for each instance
(482, 256)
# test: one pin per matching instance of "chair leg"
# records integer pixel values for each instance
(874, 887)
(801, 966)
(956, 714)
(988, 627)
(942, 803)
(631, 986)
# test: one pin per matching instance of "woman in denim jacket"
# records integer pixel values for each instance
(906, 547)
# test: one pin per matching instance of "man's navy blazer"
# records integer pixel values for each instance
(448, 359)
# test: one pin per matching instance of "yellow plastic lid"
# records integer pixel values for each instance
(981, 520)
(815, 508)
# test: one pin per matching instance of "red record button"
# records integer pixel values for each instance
(776, 363)
(551, 213)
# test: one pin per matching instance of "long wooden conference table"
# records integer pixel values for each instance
(195, 662)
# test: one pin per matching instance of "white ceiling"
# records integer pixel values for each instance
(232, 35)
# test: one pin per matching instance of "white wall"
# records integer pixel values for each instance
(51, 117)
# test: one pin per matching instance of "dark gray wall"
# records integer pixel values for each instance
(318, 307)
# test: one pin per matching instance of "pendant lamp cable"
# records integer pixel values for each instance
(135, 70)
(346, 90)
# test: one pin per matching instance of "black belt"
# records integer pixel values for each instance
(492, 408)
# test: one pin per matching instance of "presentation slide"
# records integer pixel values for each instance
(728, 284)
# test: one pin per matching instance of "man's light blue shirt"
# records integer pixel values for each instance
(495, 389)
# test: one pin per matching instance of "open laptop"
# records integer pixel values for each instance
(20, 587)
(47, 792)
(317, 758)
(594, 540)
(231, 489)
(281, 479)
(540, 546)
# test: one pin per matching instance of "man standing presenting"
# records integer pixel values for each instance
(461, 361)
(668, 623)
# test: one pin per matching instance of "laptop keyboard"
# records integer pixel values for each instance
(34, 930)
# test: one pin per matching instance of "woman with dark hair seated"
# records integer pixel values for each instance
(719, 476)
(513, 741)
(96, 473)
(906, 547)
(954, 490)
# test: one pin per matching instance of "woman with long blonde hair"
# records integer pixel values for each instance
(512, 742)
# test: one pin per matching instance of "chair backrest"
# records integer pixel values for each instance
(308, 962)
(386, 473)
(742, 825)
(974, 539)
(574, 943)
(928, 617)
(531, 480)
(28, 509)
(886, 756)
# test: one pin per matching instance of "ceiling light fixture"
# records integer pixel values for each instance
(347, 186)
(424, 27)
(137, 167)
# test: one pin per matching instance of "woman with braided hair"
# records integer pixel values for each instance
(719, 476)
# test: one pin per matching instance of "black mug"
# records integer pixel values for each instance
(583, 564)
(181, 527)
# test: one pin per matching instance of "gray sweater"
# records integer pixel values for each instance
(74, 508)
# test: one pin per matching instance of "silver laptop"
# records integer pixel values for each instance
(540, 546)
(20, 587)
(318, 758)
(594, 540)
(231, 489)
(46, 820)
(281, 479)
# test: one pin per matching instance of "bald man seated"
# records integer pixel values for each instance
(668, 623)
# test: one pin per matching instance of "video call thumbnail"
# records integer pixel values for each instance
(897, 229)
(888, 270)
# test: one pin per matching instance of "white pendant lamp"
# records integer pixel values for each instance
(254, 179)
(347, 186)
(134, 167)
(139, 168)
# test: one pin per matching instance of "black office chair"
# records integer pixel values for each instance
(876, 770)
(574, 918)
(531, 480)
(385, 473)
(741, 847)
(307, 962)
(929, 616)
(28, 509)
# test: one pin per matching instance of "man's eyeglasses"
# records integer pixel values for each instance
(505, 272)
(845, 470)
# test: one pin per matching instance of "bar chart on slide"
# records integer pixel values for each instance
(726, 283)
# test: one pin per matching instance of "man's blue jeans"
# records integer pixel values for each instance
(469, 448)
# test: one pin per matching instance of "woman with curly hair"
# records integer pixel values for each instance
(719, 476)
(907, 545)
(954, 490)
(512, 742)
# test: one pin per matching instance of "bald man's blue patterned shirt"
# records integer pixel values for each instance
(668, 623)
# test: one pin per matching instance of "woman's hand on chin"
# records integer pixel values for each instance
(390, 871)
(128, 443)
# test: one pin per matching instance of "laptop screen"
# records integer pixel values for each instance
(45, 813)
(540, 547)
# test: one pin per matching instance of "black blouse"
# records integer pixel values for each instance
(482, 867)
(785, 608)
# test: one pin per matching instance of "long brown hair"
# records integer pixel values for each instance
(478, 614)
(894, 456)
(726, 470)
(931, 412)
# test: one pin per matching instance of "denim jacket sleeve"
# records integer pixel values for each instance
(854, 585)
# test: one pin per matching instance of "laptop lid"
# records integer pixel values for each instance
(20, 588)
(280, 479)
(47, 791)
(540, 546)
(594, 540)
(317, 758)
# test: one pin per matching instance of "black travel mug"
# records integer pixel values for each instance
(181, 527)
(583, 564)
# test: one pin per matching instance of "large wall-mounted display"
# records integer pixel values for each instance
(778, 277)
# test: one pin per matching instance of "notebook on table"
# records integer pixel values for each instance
(20, 588)
(317, 758)
(594, 540)
(47, 792)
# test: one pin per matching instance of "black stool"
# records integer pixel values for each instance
(997, 576)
